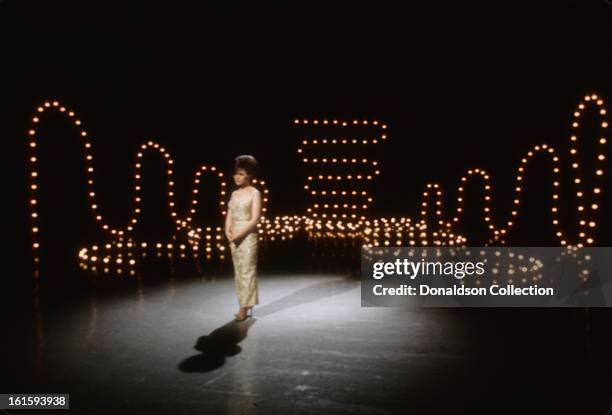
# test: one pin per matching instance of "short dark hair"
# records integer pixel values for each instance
(248, 163)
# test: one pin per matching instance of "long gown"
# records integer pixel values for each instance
(244, 256)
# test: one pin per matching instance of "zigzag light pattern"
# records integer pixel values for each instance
(324, 220)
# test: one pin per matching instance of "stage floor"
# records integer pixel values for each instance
(173, 348)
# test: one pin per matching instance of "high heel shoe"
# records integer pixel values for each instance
(241, 317)
(244, 316)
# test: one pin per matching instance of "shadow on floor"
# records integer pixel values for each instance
(216, 346)
(223, 341)
(306, 295)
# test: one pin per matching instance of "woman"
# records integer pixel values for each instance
(243, 214)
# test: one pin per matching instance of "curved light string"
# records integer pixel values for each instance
(589, 199)
(121, 235)
(336, 218)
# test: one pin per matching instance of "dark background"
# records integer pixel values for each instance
(460, 85)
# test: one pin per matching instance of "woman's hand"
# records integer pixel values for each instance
(229, 236)
(236, 239)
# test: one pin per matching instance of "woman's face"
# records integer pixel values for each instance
(241, 178)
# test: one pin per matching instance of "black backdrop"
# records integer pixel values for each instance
(460, 85)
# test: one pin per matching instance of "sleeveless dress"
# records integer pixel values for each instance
(244, 255)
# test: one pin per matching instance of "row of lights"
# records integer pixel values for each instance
(586, 209)
(339, 209)
(342, 123)
(588, 200)
(121, 236)
(340, 141)
(345, 224)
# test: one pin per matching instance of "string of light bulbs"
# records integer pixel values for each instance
(338, 218)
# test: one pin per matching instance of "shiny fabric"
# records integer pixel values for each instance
(244, 255)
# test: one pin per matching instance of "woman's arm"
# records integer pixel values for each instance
(255, 216)
(228, 223)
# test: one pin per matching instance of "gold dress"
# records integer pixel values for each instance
(244, 255)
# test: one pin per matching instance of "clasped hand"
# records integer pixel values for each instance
(235, 239)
